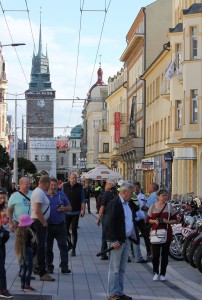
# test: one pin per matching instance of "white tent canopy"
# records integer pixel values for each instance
(101, 173)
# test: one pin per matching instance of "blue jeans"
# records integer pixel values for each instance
(117, 265)
(26, 267)
(3, 285)
(137, 252)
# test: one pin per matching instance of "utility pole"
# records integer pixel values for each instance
(15, 167)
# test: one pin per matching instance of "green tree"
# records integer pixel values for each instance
(26, 165)
(4, 157)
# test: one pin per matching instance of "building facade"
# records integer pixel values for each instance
(186, 95)
(94, 116)
(3, 102)
(142, 48)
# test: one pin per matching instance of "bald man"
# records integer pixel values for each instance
(19, 203)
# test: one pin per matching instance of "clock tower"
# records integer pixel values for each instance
(40, 98)
(41, 145)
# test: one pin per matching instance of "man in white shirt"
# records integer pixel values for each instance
(140, 218)
(40, 211)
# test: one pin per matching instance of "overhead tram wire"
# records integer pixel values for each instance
(47, 99)
(13, 42)
(77, 60)
(30, 25)
(81, 9)
(106, 11)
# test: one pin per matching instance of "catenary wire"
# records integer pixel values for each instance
(77, 60)
(106, 11)
(30, 25)
(13, 43)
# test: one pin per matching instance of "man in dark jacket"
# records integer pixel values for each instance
(109, 194)
(75, 193)
(119, 229)
(87, 193)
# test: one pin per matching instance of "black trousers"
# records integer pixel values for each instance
(41, 234)
(145, 231)
(160, 252)
(3, 283)
(73, 221)
(58, 232)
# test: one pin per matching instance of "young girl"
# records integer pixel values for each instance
(23, 249)
(4, 236)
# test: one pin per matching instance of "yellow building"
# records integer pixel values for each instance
(186, 96)
(116, 115)
(145, 40)
(3, 104)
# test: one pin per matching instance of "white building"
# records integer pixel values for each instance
(42, 152)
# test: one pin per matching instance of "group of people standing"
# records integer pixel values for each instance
(38, 217)
(46, 214)
(123, 216)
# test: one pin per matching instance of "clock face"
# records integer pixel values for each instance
(41, 103)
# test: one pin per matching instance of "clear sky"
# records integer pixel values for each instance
(73, 65)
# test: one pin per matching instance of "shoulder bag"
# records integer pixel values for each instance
(159, 236)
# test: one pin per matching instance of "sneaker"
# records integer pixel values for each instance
(156, 277)
(47, 277)
(29, 289)
(162, 278)
(65, 271)
(5, 294)
(73, 253)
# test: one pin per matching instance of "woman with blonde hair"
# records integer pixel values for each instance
(23, 249)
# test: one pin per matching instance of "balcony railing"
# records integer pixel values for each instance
(130, 145)
(3, 76)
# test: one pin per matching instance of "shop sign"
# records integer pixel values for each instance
(147, 164)
(117, 118)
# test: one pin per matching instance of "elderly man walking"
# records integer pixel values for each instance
(40, 211)
(119, 229)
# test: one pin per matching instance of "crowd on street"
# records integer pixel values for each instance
(51, 212)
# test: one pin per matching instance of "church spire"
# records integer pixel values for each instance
(40, 39)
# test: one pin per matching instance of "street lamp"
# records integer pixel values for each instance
(15, 175)
(12, 45)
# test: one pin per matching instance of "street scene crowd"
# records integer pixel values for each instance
(51, 212)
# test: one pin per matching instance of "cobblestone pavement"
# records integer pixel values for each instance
(88, 279)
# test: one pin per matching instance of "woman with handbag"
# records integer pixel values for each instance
(161, 216)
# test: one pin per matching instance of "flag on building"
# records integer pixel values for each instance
(170, 71)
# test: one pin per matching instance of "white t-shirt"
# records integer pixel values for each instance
(39, 196)
(141, 201)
